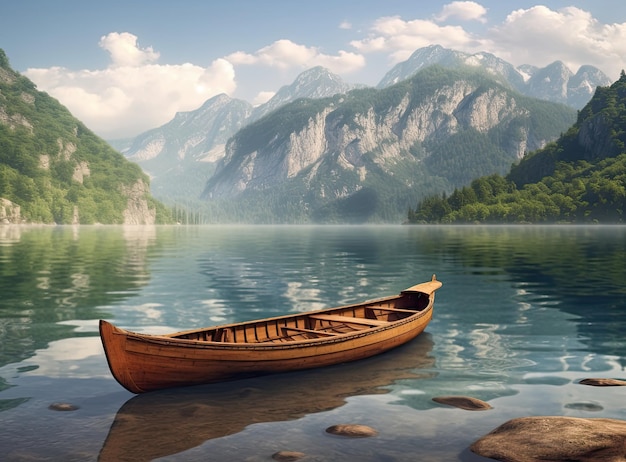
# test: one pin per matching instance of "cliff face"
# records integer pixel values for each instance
(138, 211)
(9, 213)
(595, 137)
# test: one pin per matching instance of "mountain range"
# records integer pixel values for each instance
(555, 82)
(184, 154)
(366, 155)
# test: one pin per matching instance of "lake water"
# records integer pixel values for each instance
(524, 314)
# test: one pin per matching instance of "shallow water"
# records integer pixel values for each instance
(524, 314)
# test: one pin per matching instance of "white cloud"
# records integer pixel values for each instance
(285, 54)
(466, 11)
(134, 94)
(124, 50)
(345, 25)
(279, 63)
(262, 97)
(540, 36)
(281, 54)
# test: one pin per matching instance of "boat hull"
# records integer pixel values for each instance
(144, 363)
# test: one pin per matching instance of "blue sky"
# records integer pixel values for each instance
(124, 67)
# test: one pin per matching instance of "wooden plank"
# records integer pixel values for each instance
(348, 319)
(425, 287)
(310, 331)
(399, 310)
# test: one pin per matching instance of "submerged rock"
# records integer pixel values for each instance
(557, 439)
(463, 402)
(287, 456)
(584, 406)
(352, 431)
(603, 382)
(62, 407)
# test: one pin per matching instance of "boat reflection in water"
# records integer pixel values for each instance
(167, 422)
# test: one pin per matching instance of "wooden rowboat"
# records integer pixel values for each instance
(142, 363)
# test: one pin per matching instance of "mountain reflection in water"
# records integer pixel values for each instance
(167, 422)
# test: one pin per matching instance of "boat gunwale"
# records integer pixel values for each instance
(172, 340)
(187, 343)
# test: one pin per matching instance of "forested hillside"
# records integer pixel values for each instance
(580, 178)
(55, 170)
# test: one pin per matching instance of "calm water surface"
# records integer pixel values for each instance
(524, 314)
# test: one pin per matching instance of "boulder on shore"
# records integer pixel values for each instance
(557, 439)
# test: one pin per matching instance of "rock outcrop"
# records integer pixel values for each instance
(138, 211)
(9, 212)
(595, 138)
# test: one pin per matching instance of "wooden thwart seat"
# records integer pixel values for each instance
(398, 310)
(309, 331)
(348, 319)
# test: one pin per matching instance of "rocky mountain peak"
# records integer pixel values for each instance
(438, 55)
(317, 82)
(581, 84)
(551, 83)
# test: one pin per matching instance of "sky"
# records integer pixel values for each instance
(126, 66)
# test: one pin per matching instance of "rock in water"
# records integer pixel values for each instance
(603, 382)
(62, 407)
(287, 456)
(463, 402)
(557, 439)
(353, 431)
